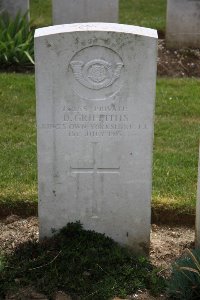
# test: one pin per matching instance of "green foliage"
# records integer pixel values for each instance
(81, 263)
(16, 41)
(185, 281)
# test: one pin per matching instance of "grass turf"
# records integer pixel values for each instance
(144, 13)
(17, 140)
(41, 13)
(177, 130)
(136, 12)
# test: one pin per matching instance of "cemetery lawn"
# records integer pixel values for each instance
(41, 13)
(177, 130)
(144, 13)
(18, 143)
(176, 142)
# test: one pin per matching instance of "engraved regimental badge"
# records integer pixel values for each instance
(96, 73)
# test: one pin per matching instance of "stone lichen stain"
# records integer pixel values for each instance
(48, 44)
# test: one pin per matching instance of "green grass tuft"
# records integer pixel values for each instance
(78, 262)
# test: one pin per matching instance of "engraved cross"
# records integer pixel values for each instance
(95, 170)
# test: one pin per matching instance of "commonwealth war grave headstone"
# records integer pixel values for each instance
(183, 23)
(198, 208)
(13, 7)
(95, 111)
(78, 11)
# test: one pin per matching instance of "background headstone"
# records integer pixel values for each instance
(13, 7)
(95, 112)
(198, 208)
(78, 11)
(183, 24)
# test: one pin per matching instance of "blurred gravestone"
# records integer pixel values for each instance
(79, 11)
(95, 110)
(198, 208)
(183, 24)
(13, 7)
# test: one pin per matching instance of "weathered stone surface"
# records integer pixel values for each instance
(77, 11)
(183, 23)
(13, 7)
(95, 110)
(197, 239)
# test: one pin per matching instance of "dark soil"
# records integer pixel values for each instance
(170, 216)
(18, 69)
(178, 63)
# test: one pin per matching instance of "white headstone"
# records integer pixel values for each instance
(198, 208)
(183, 23)
(13, 7)
(78, 11)
(95, 113)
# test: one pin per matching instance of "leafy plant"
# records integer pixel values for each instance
(185, 280)
(16, 41)
(79, 262)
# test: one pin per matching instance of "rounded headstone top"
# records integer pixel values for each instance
(110, 27)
